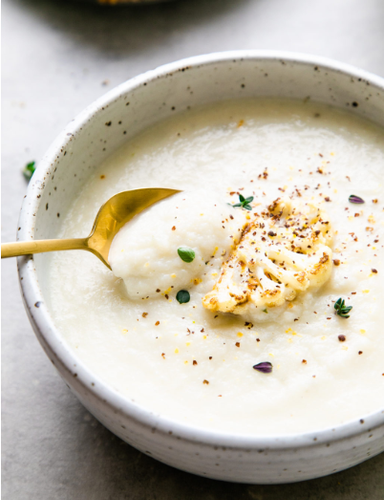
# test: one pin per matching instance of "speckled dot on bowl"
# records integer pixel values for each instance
(71, 160)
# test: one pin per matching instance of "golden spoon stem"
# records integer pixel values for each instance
(111, 217)
(40, 246)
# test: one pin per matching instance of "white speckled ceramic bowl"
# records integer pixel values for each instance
(73, 157)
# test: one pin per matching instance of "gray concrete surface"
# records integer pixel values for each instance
(58, 56)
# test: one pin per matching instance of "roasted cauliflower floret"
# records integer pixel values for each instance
(284, 250)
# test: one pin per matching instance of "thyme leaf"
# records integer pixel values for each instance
(186, 254)
(244, 202)
(183, 296)
(341, 309)
(29, 170)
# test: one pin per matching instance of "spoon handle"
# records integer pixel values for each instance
(40, 246)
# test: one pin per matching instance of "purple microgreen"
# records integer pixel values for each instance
(355, 199)
(263, 367)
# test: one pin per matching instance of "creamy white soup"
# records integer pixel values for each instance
(252, 301)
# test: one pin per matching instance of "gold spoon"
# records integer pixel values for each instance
(111, 217)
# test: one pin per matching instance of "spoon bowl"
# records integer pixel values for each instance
(111, 217)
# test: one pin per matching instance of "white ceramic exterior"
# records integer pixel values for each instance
(72, 158)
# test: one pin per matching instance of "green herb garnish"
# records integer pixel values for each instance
(183, 296)
(244, 202)
(341, 309)
(29, 170)
(186, 254)
(265, 311)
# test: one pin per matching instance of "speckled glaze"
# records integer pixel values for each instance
(89, 139)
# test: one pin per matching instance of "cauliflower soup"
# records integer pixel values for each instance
(252, 301)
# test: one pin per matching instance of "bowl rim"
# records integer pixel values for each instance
(54, 344)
